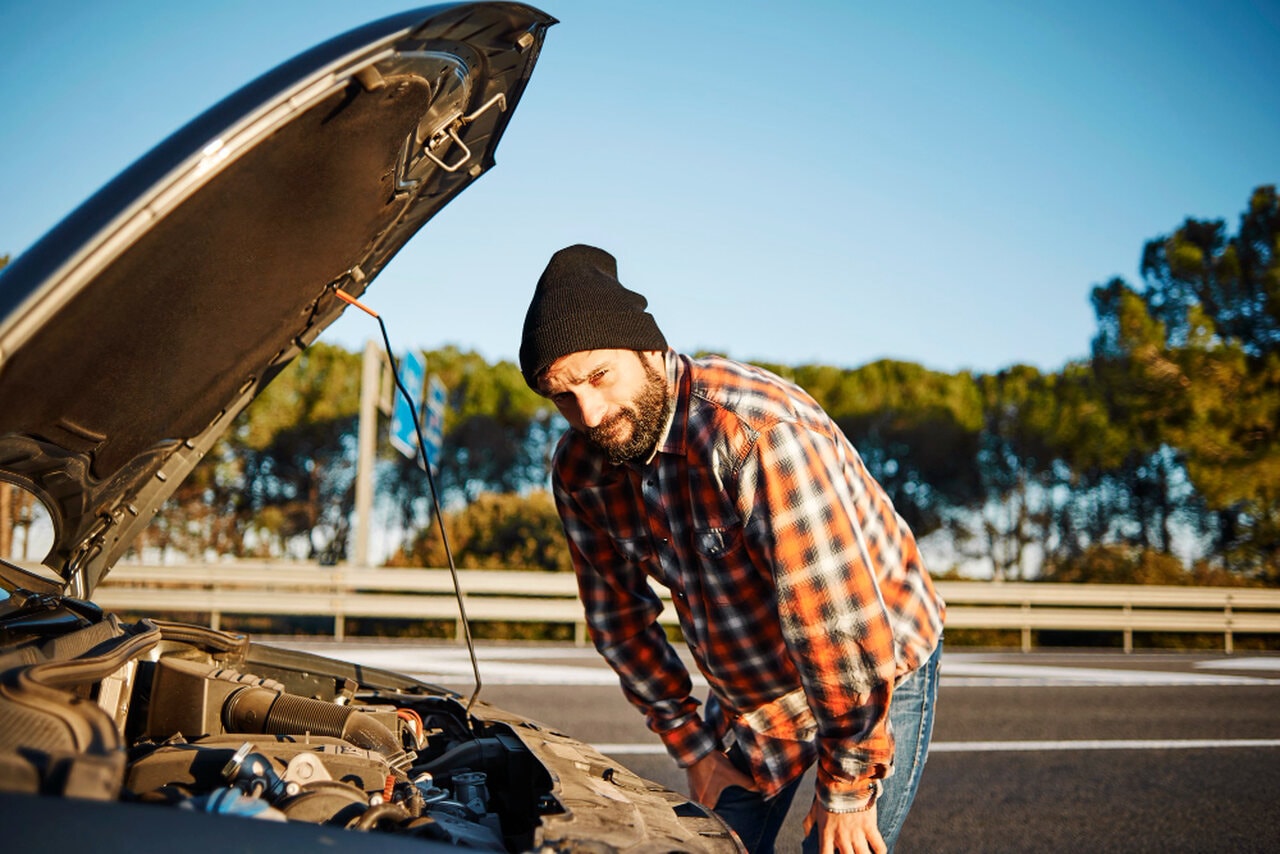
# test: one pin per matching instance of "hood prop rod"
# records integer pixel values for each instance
(431, 481)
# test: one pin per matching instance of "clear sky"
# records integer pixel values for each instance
(795, 182)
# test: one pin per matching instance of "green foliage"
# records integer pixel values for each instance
(496, 532)
(1118, 564)
(1124, 564)
(1232, 280)
(1191, 367)
(299, 472)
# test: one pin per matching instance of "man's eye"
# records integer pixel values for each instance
(597, 377)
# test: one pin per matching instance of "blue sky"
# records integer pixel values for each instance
(792, 182)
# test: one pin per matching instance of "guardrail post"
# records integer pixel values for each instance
(1228, 641)
(1128, 628)
(215, 620)
(1026, 627)
(339, 586)
(579, 633)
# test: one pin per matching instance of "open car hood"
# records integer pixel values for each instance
(208, 265)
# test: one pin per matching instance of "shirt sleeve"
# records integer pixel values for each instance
(621, 613)
(818, 519)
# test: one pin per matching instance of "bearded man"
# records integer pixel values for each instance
(800, 592)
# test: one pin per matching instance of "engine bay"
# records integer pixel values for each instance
(191, 718)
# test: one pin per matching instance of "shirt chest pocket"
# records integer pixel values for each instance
(716, 543)
(724, 565)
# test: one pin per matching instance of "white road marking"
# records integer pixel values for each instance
(1255, 663)
(619, 749)
(961, 671)
(1105, 744)
(551, 665)
(558, 665)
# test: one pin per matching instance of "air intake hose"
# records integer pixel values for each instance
(263, 711)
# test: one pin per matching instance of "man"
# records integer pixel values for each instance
(799, 590)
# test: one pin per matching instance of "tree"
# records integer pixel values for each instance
(1146, 393)
(1232, 281)
(298, 451)
(281, 483)
(1015, 466)
(1192, 367)
(1089, 450)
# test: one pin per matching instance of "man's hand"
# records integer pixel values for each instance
(711, 774)
(845, 832)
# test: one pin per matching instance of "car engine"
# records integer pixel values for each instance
(191, 718)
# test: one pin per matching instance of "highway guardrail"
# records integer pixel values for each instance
(291, 589)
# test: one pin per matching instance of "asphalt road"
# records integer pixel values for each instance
(1039, 752)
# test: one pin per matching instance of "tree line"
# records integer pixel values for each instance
(1155, 459)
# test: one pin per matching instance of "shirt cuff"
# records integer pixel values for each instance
(689, 742)
(849, 797)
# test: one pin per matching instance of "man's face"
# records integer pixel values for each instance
(616, 398)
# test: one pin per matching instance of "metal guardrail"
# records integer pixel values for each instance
(521, 596)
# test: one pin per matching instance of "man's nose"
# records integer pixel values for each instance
(593, 408)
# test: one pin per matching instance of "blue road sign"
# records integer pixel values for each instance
(433, 426)
(403, 437)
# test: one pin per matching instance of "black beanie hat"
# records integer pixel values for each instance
(579, 304)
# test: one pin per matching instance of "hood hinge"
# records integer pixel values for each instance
(89, 548)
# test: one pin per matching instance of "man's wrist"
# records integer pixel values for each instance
(850, 802)
(690, 743)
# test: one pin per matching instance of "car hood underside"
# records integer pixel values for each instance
(135, 331)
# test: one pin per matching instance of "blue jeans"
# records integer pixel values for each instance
(757, 821)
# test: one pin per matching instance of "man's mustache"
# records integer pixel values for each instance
(601, 433)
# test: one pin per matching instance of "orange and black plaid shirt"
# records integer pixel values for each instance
(799, 590)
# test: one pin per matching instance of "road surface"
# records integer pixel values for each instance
(1039, 752)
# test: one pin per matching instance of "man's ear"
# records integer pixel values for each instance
(652, 357)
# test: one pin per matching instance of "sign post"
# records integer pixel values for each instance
(371, 383)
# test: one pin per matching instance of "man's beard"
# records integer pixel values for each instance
(647, 415)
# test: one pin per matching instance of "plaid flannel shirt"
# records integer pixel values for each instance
(799, 590)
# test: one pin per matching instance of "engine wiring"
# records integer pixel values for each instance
(415, 720)
(431, 482)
